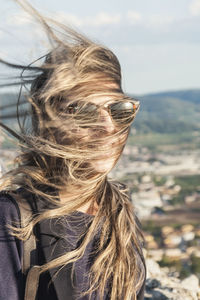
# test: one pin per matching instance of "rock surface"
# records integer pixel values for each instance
(163, 285)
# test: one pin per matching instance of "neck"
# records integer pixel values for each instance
(90, 207)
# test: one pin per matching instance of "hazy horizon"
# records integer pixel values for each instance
(156, 42)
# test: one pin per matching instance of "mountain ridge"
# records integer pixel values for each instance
(169, 112)
(163, 112)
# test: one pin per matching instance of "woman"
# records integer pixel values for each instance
(88, 239)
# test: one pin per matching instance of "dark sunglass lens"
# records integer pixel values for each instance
(122, 112)
(85, 112)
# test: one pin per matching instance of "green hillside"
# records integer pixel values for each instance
(169, 112)
(167, 118)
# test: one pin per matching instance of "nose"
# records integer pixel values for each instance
(107, 122)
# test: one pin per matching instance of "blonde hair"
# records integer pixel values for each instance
(55, 154)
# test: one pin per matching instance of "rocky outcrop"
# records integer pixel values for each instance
(163, 285)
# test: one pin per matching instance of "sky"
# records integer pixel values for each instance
(157, 41)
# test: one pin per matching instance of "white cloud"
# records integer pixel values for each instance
(134, 17)
(104, 18)
(132, 26)
(20, 19)
(69, 18)
(194, 8)
(159, 20)
(154, 21)
(98, 20)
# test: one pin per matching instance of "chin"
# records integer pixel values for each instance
(104, 166)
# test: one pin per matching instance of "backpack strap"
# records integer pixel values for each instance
(30, 244)
(29, 263)
(32, 282)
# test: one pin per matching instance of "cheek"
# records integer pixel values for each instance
(71, 135)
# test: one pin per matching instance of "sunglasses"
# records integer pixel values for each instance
(122, 112)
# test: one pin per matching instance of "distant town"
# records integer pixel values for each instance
(165, 191)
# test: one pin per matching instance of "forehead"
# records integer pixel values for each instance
(103, 99)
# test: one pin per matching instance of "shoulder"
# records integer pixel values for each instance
(11, 250)
(9, 209)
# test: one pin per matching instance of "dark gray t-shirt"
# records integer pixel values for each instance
(12, 280)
